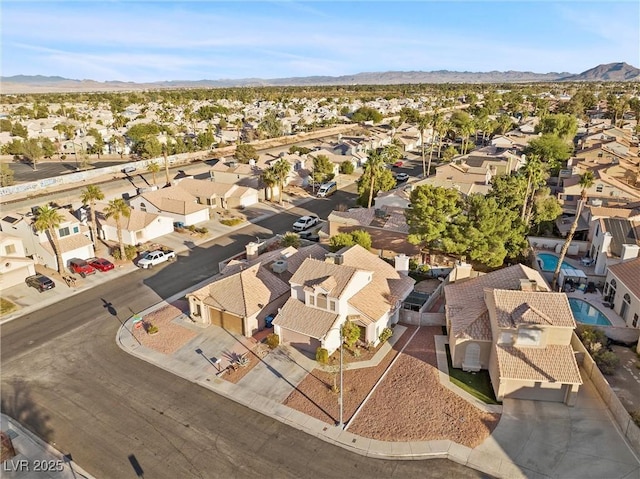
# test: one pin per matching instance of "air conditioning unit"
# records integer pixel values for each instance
(279, 266)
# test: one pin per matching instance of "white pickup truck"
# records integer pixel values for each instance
(156, 257)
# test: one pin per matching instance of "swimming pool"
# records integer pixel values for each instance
(548, 262)
(587, 314)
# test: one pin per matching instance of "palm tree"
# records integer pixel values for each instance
(48, 219)
(166, 164)
(118, 209)
(90, 196)
(423, 123)
(435, 130)
(534, 170)
(586, 182)
(270, 179)
(375, 164)
(153, 168)
(281, 168)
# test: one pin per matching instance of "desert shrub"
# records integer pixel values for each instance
(350, 333)
(346, 168)
(595, 341)
(202, 231)
(273, 340)
(385, 334)
(232, 221)
(192, 228)
(607, 361)
(291, 239)
(152, 328)
(130, 252)
(356, 353)
(322, 355)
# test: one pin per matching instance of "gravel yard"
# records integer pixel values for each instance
(170, 336)
(409, 404)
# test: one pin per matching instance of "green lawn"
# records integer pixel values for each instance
(477, 384)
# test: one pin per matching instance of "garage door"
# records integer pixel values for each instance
(300, 341)
(538, 393)
(227, 321)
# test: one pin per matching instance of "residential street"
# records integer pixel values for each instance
(63, 374)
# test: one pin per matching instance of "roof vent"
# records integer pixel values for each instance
(279, 266)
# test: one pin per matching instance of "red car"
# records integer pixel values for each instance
(81, 267)
(398, 164)
(101, 264)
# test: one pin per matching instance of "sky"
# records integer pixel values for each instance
(146, 41)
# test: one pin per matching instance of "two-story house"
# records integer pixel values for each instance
(622, 290)
(14, 265)
(350, 285)
(247, 291)
(73, 238)
(174, 202)
(509, 323)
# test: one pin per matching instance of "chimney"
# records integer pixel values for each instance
(333, 258)
(252, 250)
(629, 251)
(528, 285)
(402, 264)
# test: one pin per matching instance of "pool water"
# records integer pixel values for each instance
(587, 314)
(548, 262)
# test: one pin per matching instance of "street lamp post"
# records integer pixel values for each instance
(341, 423)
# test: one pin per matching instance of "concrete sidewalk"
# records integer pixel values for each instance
(35, 459)
(532, 440)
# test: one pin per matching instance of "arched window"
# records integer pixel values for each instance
(143, 207)
(624, 310)
(610, 295)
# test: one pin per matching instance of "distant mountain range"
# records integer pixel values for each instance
(43, 84)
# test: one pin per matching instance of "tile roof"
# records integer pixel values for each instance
(244, 293)
(554, 363)
(628, 272)
(136, 221)
(68, 243)
(312, 271)
(465, 306)
(298, 317)
(173, 200)
(386, 287)
(526, 307)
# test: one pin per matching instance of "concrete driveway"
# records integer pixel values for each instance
(547, 439)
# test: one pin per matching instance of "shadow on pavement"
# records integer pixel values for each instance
(17, 402)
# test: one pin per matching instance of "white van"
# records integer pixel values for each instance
(327, 189)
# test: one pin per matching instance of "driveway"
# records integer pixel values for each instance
(547, 439)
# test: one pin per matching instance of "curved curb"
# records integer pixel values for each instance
(417, 450)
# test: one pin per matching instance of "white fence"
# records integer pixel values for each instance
(416, 318)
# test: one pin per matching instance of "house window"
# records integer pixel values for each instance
(76, 229)
(626, 302)
(569, 197)
(610, 296)
(143, 207)
(62, 232)
(528, 337)
(10, 249)
(322, 301)
(312, 300)
(599, 188)
(635, 321)
(506, 338)
(332, 305)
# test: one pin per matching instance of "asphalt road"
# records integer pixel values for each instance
(65, 378)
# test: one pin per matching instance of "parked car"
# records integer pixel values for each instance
(128, 169)
(154, 258)
(305, 222)
(81, 267)
(101, 264)
(398, 164)
(401, 177)
(310, 236)
(40, 282)
(327, 189)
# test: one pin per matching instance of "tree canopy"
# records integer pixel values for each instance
(245, 152)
